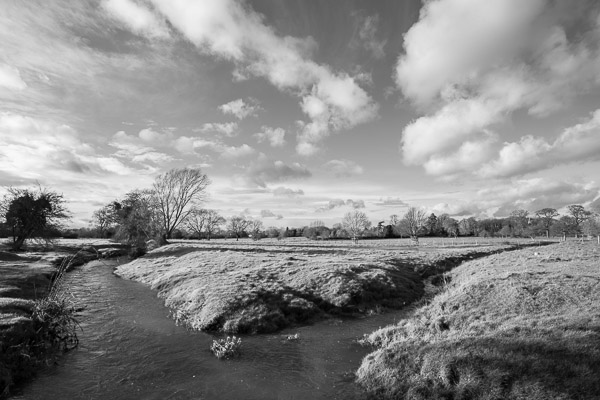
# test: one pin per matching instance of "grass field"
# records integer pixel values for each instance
(253, 287)
(516, 325)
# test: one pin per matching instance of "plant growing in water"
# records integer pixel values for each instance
(226, 348)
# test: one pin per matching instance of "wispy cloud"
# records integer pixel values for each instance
(10, 78)
(231, 30)
(287, 192)
(265, 170)
(139, 19)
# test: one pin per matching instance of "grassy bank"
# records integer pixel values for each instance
(249, 287)
(516, 325)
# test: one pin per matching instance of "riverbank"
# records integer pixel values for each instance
(25, 281)
(516, 325)
(261, 287)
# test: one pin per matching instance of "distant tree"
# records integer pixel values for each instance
(546, 218)
(196, 221)
(32, 213)
(355, 222)
(255, 226)
(467, 226)
(579, 214)
(105, 219)
(413, 223)
(591, 226)
(177, 192)
(138, 218)
(431, 224)
(565, 225)
(316, 224)
(519, 221)
(449, 224)
(237, 225)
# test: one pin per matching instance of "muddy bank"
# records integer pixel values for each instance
(261, 288)
(515, 325)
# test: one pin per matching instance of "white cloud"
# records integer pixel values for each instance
(287, 192)
(336, 203)
(470, 64)
(231, 30)
(228, 128)
(391, 202)
(275, 136)
(265, 170)
(10, 78)
(34, 149)
(240, 109)
(343, 168)
(578, 143)
(459, 209)
(136, 17)
(236, 151)
(537, 193)
(135, 148)
(368, 36)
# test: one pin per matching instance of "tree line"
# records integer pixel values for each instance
(172, 209)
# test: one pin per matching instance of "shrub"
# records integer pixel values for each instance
(226, 348)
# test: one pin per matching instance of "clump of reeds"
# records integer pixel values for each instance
(54, 316)
(226, 348)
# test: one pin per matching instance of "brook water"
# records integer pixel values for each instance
(130, 349)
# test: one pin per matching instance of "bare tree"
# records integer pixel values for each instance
(106, 218)
(546, 217)
(413, 222)
(176, 193)
(255, 226)
(237, 225)
(213, 222)
(579, 214)
(356, 222)
(196, 221)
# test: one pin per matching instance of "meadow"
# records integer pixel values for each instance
(516, 325)
(264, 286)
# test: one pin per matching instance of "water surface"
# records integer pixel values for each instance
(130, 349)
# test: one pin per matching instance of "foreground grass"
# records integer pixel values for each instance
(250, 287)
(519, 325)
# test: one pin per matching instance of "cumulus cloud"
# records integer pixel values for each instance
(287, 192)
(231, 30)
(10, 78)
(336, 203)
(469, 65)
(240, 109)
(265, 170)
(139, 19)
(576, 144)
(458, 209)
(343, 168)
(275, 136)
(227, 128)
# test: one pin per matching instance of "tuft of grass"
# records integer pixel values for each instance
(226, 348)
(520, 325)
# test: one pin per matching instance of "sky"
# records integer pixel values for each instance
(305, 110)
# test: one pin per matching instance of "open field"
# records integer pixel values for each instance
(516, 325)
(253, 287)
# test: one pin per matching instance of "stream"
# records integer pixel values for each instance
(129, 348)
